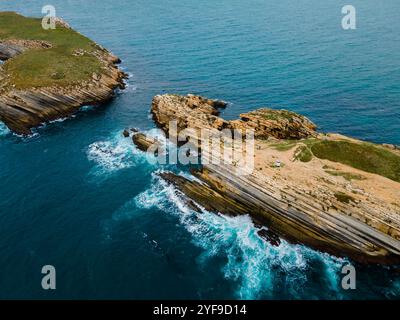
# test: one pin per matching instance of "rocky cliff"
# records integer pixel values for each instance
(197, 112)
(294, 189)
(25, 107)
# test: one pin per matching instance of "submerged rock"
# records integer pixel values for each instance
(125, 133)
(269, 236)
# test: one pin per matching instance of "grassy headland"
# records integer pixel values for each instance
(363, 156)
(57, 65)
(360, 155)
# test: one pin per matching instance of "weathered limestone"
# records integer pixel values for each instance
(280, 124)
(197, 112)
(143, 142)
(22, 110)
(299, 201)
(11, 48)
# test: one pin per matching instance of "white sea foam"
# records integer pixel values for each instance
(35, 132)
(394, 290)
(189, 176)
(3, 129)
(109, 156)
(86, 108)
(130, 87)
(251, 262)
(115, 154)
(59, 120)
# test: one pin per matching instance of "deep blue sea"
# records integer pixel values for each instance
(80, 197)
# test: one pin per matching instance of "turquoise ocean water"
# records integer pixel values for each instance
(78, 196)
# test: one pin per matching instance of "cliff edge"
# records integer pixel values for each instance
(50, 74)
(331, 192)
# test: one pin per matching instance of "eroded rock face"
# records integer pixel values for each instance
(61, 22)
(303, 202)
(22, 110)
(202, 194)
(144, 142)
(189, 111)
(280, 124)
(11, 48)
(8, 51)
(125, 133)
(197, 112)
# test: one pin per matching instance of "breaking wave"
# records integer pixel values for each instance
(3, 129)
(113, 155)
(258, 268)
(130, 85)
(119, 153)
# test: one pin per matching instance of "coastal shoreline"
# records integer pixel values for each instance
(330, 206)
(65, 89)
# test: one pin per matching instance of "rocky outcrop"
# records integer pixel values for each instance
(202, 194)
(24, 109)
(11, 48)
(391, 146)
(61, 22)
(144, 142)
(189, 111)
(295, 217)
(198, 112)
(280, 124)
(357, 216)
(125, 133)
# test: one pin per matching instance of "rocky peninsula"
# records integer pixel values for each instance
(50, 74)
(328, 191)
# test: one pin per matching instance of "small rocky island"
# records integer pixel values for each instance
(328, 191)
(50, 74)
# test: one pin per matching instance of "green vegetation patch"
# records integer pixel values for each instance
(347, 175)
(277, 115)
(284, 145)
(52, 66)
(303, 154)
(342, 197)
(363, 156)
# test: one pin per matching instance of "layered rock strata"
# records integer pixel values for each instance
(356, 214)
(24, 109)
